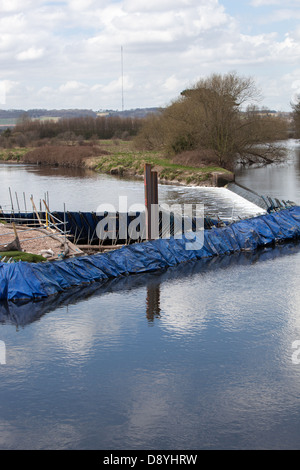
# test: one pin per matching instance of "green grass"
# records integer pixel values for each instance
(124, 160)
(14, 154)
(20, 255)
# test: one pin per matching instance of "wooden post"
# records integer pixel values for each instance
(148, 199)
(35, 210)
(154, 206)
(16, 238)
(15, 230)
(48, 214)
(154, 186)
(151, 202)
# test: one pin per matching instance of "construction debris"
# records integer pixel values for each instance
(36, 240)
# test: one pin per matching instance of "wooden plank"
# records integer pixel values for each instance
(35, 210)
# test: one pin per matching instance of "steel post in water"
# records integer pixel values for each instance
(154, 187)
(148, 198)
(151, 202)
(154, 206)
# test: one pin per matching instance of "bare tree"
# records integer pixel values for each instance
(218, 114)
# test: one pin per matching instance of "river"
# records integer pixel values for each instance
(202, 356)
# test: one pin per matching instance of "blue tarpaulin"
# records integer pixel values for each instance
(39, 280)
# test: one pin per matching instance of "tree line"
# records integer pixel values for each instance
(217, 120)
(218, 117)
(28, 130)
(38, 113)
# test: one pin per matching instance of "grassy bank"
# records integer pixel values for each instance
(125, 161)
(118, 158)
(13, 155)
(22, 256)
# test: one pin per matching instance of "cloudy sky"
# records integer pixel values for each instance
(68, 53)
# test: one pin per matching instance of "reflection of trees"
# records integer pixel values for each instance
(153, 302)
(297, 159)
(60, 171)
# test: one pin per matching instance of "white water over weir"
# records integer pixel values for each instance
(238, 205)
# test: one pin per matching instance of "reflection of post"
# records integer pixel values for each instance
(2, 353)
(153, 302)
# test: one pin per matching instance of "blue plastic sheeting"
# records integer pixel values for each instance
(35, 281)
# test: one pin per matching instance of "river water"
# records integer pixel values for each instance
(201, 356)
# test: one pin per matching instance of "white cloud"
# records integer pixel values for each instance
(74, 47)
(30, 54)
(71, 86)
(81, 5)
(115, 85)
(13, 24)
(292, 83)
(2, 92)
(172, 84)
(259, 3)
(15, 5)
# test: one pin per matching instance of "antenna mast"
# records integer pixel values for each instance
(122, 78)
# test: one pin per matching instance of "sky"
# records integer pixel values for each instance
(127, 54)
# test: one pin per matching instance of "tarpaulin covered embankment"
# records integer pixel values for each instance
(32, 281)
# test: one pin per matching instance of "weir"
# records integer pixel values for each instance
(264, 202)
(119, 256)
(24, 280)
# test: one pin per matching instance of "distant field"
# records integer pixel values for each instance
(11, 122)
(8, 122)
(47, 118)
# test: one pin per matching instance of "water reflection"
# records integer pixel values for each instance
(60, 172)
(297, 160)
(197, 356)
(23, 313)
(280, 181)
(153, 309)
(84, 190)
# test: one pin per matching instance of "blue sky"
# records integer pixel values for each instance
(67, 54)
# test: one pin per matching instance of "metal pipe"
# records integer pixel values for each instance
(17, 200)
(29, 230)
(24, 202)
(12, 204)
(65, 222)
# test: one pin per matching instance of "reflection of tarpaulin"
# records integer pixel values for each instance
(32, 281)
(23, 312)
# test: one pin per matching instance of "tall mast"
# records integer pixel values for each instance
(122, 69)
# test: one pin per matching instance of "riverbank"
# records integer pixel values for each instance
(118, 158)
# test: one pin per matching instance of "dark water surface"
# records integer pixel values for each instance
(197, 357)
